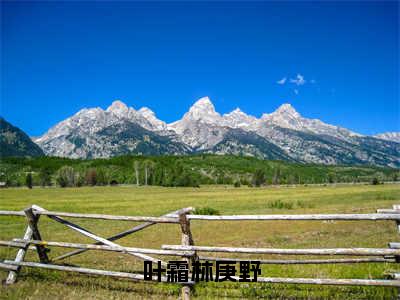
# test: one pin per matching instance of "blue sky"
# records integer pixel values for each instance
(58, 57)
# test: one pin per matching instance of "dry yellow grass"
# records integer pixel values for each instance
(154, 201)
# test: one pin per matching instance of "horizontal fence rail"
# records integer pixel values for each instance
(19, 243)
(390, 215)
(32, 240)
(305, 261)
(332, 251)
(96, 216)
(132, 276)
(318, 217)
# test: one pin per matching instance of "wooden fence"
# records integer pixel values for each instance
(32, 240)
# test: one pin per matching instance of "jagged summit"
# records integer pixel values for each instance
(204, 101)
(203, 105)
(150, 116)
(203, 110)
(238, 119)
(288, 109)
(118, 106)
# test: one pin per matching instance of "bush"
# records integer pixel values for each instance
(206, 211)
(278, 204)
(375, 181)
(65, 176)
(303, 204)
(236, 184)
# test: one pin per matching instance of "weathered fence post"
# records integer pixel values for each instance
(12, 275)
(32, 223)
(187, 240)
(397, 258)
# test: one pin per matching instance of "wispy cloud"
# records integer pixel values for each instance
(282, 81)
(296, 83)
(299, 80)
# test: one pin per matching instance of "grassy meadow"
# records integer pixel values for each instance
(155, 201)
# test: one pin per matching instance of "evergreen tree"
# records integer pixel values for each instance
(28, 180)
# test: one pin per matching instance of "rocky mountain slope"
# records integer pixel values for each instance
(389, 136)
(14, 142)
(283, 134)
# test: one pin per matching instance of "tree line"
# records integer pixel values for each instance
(175, 171)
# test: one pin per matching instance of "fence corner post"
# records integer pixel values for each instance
(187, 240)
(32, 223)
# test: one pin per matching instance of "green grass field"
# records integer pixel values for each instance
(155, 201)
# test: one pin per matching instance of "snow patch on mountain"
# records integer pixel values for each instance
(239, 119)
(389, 136)
(150, 116)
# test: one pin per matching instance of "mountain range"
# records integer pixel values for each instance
(283, 135)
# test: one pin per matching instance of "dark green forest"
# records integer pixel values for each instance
(179, 171)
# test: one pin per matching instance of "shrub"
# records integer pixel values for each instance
(65, 176)
(303, 204)
(206, 211)
(236, 184)
(278, 204)
(375, 181)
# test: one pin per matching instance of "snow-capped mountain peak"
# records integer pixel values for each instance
(204, 102)
(287, 110)
(285, 116)
(119, 108)
(150, 116)
(203, 105)
(203, 110)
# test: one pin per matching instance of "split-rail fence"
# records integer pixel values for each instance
(32, 240)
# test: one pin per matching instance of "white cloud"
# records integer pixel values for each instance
(299, 80)
(296, 91)
(282, 81)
